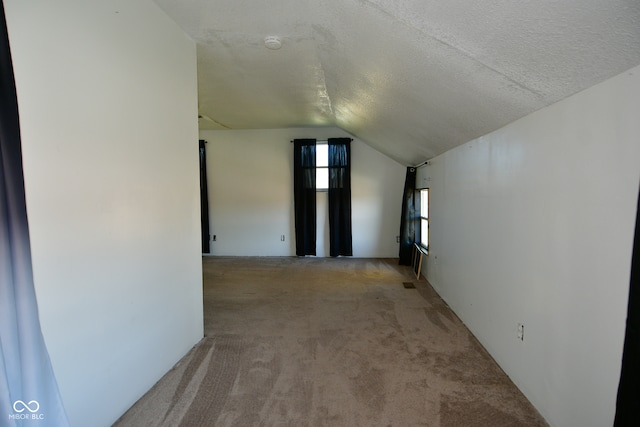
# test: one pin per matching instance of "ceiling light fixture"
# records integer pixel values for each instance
(273, 42)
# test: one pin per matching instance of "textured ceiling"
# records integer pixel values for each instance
(411, 78)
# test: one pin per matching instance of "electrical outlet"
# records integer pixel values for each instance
(282, 237)
(521, 331)
(214, 238)
(397, 239)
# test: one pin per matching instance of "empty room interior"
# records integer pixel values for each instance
(519, 118)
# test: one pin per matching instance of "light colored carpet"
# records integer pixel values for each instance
(329, 342)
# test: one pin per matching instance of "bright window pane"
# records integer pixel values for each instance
(322, 178)
(424, 203)
(322, 155)
(424, 232)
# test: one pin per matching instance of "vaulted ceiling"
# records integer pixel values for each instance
(411, 78)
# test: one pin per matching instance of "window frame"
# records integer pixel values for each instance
(325, 167)
(424, 219)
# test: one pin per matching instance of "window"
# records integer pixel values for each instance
(322, 167)
(424, 218)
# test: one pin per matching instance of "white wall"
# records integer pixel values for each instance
(250, 177)
(108, 108)
(534, 223)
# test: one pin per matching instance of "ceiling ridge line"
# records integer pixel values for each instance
(464, 52)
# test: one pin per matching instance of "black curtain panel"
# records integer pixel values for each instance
(304, 189)
(340, 239)
(409, 218)
(627, 407)
(204, 198)
(27, 382)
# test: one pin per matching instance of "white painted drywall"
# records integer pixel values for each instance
(250, 178)
(534, 224)
(108, 108)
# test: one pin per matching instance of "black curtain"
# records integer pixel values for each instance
(340, 197)
(627, 407)
(27, 382)
(304, 192)
(204, 198)
(409, 218)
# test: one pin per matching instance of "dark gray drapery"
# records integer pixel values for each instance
(27, 384)
(204, 198)
(627, 408)
(409, 227)
(304, 189)
(340, 237)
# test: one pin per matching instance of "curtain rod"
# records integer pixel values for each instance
(320, 140)
(422, 164)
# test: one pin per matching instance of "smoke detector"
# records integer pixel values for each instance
(273, 42)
